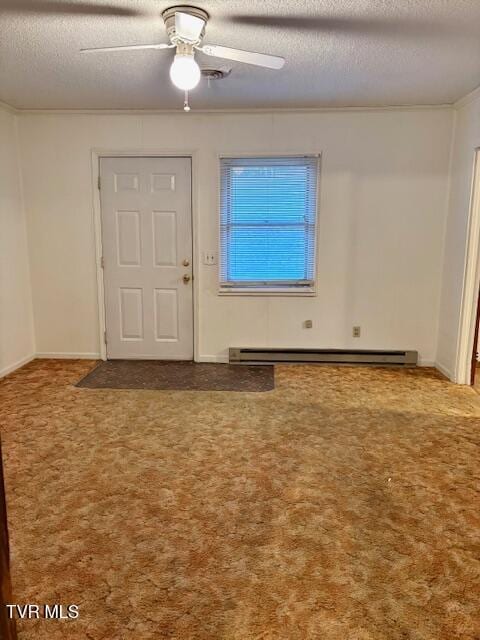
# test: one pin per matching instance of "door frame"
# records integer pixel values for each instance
(96, 155)
(471, 283)
(473, 361)
(7, 624)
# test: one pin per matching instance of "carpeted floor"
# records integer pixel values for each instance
(343, 505)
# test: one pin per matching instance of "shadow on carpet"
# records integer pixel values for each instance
(182, 376)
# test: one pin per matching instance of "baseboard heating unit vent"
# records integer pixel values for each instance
(322, 356)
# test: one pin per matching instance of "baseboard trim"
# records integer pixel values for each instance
(446, 372)
(426, 363)
(219, 359)
(62, 355)
(13, 367)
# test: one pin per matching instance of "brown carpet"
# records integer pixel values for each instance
(186, 376)
(344, 505)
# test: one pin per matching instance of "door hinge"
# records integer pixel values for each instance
(102, 263)
(99, 182)
(105, 337)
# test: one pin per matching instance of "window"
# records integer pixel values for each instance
(268, 211)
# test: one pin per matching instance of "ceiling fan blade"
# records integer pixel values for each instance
(128, 48)
(188, 27)
(364, 26)
(60, 7)
(248, 57)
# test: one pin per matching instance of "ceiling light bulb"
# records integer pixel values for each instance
(185, 72)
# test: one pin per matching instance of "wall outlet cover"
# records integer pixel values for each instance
(209, 257)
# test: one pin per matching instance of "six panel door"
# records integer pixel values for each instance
(147, 256)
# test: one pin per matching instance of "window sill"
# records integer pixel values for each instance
(272, 292)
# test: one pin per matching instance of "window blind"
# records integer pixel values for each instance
(268, 216)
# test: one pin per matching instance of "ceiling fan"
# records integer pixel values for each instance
(185, 27)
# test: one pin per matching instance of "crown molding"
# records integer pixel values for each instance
(470, 97)
(257, 111)
(8, 107)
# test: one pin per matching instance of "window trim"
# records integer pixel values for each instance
(290, 290)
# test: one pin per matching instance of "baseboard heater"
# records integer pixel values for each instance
(239, 355)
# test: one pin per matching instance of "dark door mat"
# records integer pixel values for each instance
(169, 374)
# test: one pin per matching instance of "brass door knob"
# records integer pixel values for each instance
(186, 262)
(186, 278)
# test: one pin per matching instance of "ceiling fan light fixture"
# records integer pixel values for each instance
(185, 72)
(185, 27)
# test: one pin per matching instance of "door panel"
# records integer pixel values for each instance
(165, 238)
(166, 314)
(131, 314)
(128, 238)
(146, 237)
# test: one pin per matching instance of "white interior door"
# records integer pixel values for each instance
(147, 257)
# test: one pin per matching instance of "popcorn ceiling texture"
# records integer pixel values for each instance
(338, 53)
(343, 505)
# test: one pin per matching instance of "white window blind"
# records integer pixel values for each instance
(268, 211)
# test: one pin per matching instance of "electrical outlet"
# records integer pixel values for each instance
(209, 257)
(308, 324)
(356, 332)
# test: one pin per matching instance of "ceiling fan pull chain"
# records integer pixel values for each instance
(186, 106)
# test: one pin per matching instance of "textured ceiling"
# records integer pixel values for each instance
(338, 52)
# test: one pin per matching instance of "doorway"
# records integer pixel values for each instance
(475, 363)
(466, 361)
(146, 220)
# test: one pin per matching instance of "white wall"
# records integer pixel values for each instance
(382, 216)
(466, 139)
(16, 324)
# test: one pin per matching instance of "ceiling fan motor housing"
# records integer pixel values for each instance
(169, 19)
(214, 74)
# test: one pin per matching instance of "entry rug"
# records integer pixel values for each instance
(172, 375)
